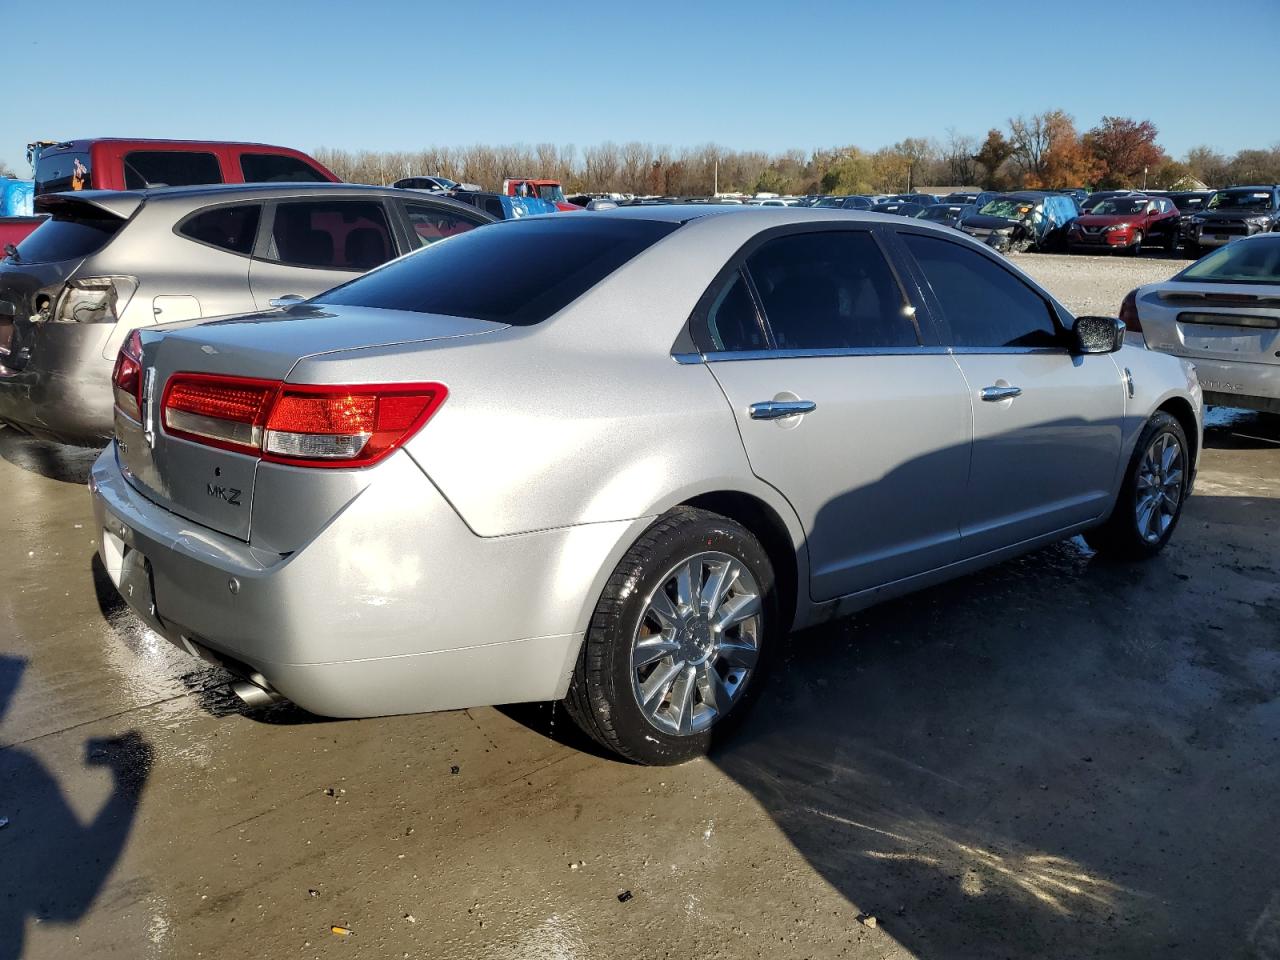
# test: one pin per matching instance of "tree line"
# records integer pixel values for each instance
(1042, 150)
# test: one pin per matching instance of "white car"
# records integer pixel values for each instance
(1223, 314)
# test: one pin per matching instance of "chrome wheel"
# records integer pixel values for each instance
(696, 644)
(1159, 482)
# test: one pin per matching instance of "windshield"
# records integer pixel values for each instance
(1189, 201)
(553, 193)
(1241, 200)
(1008, 208)
(518, 272)
(1252, 261)
(1121, 205)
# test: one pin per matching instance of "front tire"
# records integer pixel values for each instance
(1152, 495)
(1135, 248)
(679, 641)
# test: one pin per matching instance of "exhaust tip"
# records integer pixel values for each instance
(253, 695)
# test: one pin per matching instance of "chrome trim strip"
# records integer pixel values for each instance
(726, 356)
(687, 358)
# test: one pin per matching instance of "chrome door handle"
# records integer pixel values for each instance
(995, 394)
(778, 409)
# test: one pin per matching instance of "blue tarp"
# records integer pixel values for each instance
(16, 197)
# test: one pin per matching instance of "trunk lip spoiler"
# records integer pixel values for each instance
(121, 204)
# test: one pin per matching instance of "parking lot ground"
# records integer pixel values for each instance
(1057, 757)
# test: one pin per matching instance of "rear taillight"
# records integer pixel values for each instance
(1129, 312)
(315, 426)
(126, 378)
(94, 299)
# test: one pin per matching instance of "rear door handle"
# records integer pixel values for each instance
(995, 394)
(778, 409)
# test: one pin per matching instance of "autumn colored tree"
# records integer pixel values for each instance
(1124, 149)
(991, 156)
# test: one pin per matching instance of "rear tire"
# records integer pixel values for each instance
(656, 680)
(1152, 495)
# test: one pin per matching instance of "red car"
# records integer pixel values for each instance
(118, 164)
(1126, 223)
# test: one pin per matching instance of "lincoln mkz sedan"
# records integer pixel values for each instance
(614, 459)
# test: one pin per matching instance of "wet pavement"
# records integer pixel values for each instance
(1058, 757)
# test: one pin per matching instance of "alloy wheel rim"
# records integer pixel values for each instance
(697, 643)
(1159, 484)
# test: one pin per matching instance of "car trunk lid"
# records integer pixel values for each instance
(215, 487)
(1221, 321)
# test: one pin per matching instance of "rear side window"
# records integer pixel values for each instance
(274, 168)
(64, 237)
(169, 168)
(431, 223)
(830, 290)
(227, 228)
(984, 304)
(732, 323)
(518, 272)
(64, 171)
(333, 234)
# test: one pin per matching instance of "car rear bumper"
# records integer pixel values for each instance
(66, 403)
(393, 607)
(1237, 383)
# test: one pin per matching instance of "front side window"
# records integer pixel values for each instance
(227, 228)
(432, 223)
(274, 168)
(984, 304)
(169, 168)
(830, 290)
(333, 234)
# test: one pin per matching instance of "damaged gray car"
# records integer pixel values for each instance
(107, 262)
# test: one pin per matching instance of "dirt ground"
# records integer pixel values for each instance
(1057, 757)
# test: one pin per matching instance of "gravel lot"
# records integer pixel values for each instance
(1055, 758)
(1096, 285)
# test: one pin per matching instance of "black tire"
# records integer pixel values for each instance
(1171, 243)
(1135, 248)
(601, 698)
(1194, 250)
(1120, 537)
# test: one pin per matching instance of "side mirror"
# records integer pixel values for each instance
(1098, 334)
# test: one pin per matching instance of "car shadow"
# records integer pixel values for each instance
(1057, 756)
(54, 863)
(53, 461)
(1231, 428)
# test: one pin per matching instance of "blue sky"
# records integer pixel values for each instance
(748, 75)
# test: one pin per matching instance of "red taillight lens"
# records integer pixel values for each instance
(1129, 312)
(126, 378)
(227, 412)
(319, 426)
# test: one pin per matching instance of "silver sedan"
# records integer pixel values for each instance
(614, 459)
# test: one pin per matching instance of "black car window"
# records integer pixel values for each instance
(335, 234)
(63, 171)
(274, 168)
(68, 236)
(227, 228)
(984, 304)
(732, 322)
(169, 168)
(431, 223)
(518, 272)
(830, 290)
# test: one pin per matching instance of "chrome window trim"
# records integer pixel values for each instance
(930, 351)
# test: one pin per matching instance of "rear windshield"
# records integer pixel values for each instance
(1254, 261)
(64, 237)
(518, 272)
(56, 172)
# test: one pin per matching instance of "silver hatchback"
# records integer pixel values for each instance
(614, 458)
(109, 262)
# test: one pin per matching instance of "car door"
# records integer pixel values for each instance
(1046, 422)
(842, 405)
(307, 246)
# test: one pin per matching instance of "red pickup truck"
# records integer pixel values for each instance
(549, 190)
(118, 164)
